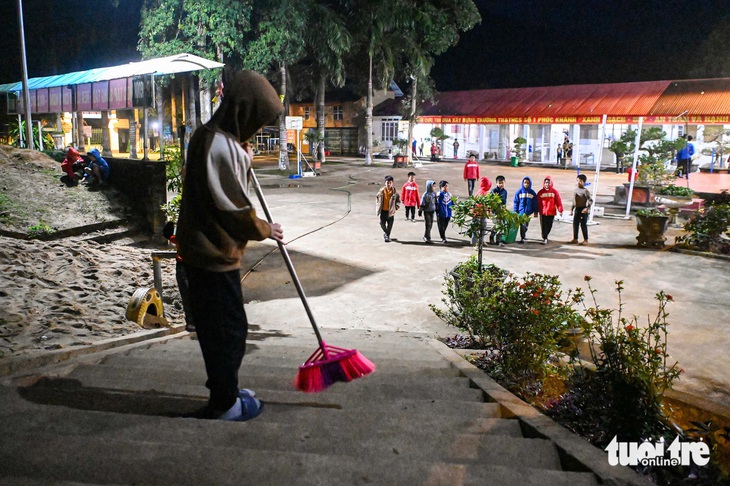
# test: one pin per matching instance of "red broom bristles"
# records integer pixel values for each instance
(330, 364)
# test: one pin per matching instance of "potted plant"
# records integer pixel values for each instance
(623, 148)
(472, 213)
(439, 135)
(518, 151)
(651, 224)
(653, 172)
(401, 158)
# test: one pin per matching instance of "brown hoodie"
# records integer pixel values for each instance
(217, 218)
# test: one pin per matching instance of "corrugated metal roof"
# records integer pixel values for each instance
(627, 99)
(179, 63)
(694, 97)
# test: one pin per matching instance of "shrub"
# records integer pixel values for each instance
(522, 320)
(704, 229)
(623, 396)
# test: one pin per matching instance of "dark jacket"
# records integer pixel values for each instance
(428, 200)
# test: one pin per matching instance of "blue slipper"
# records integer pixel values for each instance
(243, 392)
(251, 408)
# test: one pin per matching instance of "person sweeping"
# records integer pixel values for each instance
(216, 222)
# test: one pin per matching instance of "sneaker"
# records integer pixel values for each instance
(387, 239)
(501, 245)
(443, 241)
(545, 241)
(522, 242)
(573, 242)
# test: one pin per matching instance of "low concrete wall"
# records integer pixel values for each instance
(143, 182)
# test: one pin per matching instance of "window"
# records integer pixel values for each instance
(390, 129)
(337, 113)
(307, 113)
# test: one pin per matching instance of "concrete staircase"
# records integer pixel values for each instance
(114, 418)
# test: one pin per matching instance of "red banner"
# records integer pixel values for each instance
(574, 120)
(67, 99)
(42, 101)
(100, 96)
(54, 100)
(83, 97)
(118, 94)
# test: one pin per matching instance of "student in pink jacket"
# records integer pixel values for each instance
(471, 173)
(548, 205)
(410, 196)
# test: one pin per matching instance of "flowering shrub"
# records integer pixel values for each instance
(632, 373)
(522, 320)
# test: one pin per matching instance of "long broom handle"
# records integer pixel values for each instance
(289, 264)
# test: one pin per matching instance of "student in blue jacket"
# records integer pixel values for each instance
(525, 203)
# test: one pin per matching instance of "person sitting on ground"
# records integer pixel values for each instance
(98, 168)
(73, 168)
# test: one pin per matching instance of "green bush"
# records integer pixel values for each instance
(521, 319)
(623, 395)
(704, 229)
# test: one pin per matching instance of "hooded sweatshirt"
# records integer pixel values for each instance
(525, 199)
(484, 185)
(99, 160)
(428, 200)
(217, 218)
(549, 202)
(72, 156)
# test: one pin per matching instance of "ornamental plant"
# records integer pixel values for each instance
(521, 320)
(472, 213)
(632, 372)
(704, 229)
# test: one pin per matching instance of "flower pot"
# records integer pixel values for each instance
(400, 161)
(651, 230)
(641, 195)
(673, 203)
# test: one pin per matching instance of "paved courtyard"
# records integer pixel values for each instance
(357, 281)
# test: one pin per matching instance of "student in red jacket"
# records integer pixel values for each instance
(410, 196)
(548, 205)
(471, 173)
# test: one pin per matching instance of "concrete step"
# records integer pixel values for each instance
(142, 376)
(193, 461)
(501, 444)
(281, 406)
(255, 363)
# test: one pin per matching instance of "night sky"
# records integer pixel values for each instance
(518, 43)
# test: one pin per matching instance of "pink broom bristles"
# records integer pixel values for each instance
(330, 364)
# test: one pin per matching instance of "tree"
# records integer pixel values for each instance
(713, 61)
(213, 29)
(402, 39)
(276, 42)
(623, 147)
(328, 40)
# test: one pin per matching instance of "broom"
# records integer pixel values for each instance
(328, 364)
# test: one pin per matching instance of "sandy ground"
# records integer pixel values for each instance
(70, 292)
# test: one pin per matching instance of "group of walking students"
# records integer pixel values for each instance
(437, 202)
